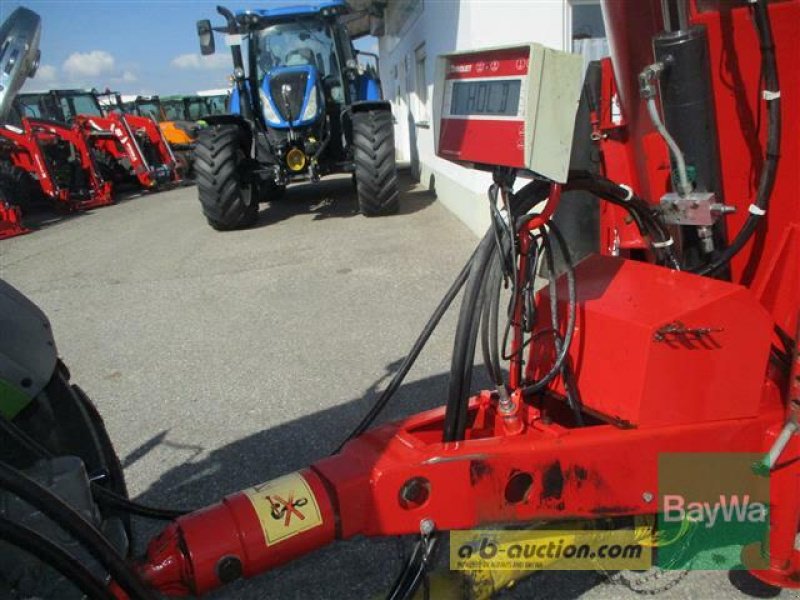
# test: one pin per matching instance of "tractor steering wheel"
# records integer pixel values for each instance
(301, 53)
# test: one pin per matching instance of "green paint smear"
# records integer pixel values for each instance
(12, 399)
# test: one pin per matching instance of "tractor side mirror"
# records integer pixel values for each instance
(206, 36)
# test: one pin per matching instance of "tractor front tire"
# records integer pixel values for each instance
(375, 166)
(18, 187)
(229, 201)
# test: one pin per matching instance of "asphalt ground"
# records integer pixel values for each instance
(221, 360)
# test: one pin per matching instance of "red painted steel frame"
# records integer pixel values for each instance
(100, 191)
(548, 467)
(11, 220)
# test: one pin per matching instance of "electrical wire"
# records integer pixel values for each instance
(41, 498)
(562, 348)
(102, 494)
(412, 356)
(56, 557)
(413, 574)
(640, 211)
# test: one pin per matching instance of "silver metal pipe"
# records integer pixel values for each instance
(684, 187)
(683, 16)
(666, 14)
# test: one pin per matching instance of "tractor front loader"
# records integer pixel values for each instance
(125, 147)
(302, 109)
(180, 137)
(54, 161)
(42, 159)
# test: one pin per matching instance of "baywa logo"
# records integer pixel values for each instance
(711, 506)
(730, 509)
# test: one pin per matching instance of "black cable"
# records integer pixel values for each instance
(110, 498)
(489, 348)
(572, 309)
(102, 494)
(562, 345)
(477, 292)
(641, 212)
(465, 339)
(73, 523)
(54, 556)
(411, 357)
(413, 574)
(766, 183)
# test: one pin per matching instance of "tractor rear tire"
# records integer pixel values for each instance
(228, 200)
(375, 166)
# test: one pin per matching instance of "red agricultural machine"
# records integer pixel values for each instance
(677, 334)
(126, 147)
(56, 159)
(40, 158)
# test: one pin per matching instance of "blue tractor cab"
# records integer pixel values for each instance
(301, 108)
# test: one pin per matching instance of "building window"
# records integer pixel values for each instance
(587, 20)
(400, 13)
(421, 85)
(586, 34)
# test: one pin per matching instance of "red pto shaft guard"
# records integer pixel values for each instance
(247, 533)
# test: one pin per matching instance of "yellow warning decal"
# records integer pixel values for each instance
(285, 506)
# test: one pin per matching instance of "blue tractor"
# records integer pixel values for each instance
(301, 107)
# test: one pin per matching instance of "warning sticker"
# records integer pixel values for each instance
(285, 506)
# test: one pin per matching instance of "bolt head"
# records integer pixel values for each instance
(426, 526)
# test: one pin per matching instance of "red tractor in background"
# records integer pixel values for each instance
(51, 160)
(43, 160)
(125, 147)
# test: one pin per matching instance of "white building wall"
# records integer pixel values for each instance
(445, 26)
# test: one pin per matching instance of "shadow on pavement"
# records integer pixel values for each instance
(44, 213)
(358, 568)
(336, 198)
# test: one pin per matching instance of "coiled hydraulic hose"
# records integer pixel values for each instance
(19, 484)
(771, 94)
(67, 565)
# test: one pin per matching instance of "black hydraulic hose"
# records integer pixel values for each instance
(640, 211)
(562, 345)
(769, 70)
(489, 322)
(102, 494)
(412, 356)
(572, 309)
(413, 574)
(54, 556)
(465, 340)
(110, 498)
(19, 484)
(476, 294)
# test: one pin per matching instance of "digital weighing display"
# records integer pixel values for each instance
(494, 98)
(511, 107)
